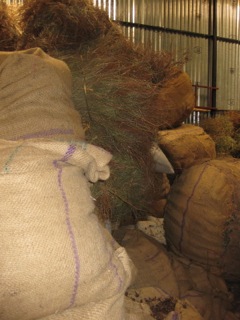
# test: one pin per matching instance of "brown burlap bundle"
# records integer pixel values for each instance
(175, 101)
(202, 216)
(35, 97)
(152, 262)
(164, 280)
(186, 146)
(207, 292)
(56, 260)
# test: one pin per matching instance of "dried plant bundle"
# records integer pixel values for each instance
(9, 33)
(61, 24)
(224, 130)
(116, 85)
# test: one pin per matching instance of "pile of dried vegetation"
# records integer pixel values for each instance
(60, 25)
(225, 131)
(9, 33)
(115, 88)
(114, 91)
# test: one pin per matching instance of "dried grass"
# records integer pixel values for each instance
(9, 33)
(218, 126)
(224, 130)
(61, 24)
(113, 105)
(124, 196)
(225, 144)
(115, 84)
(235, 118)
(113, 94)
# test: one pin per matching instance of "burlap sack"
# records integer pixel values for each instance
(202, 216)
(35, 97)
(162, 306)
(175, 101)
(185, 311)
(168, 282)
(186, 146)
(207, 292)
(152, 262)
(56, 262)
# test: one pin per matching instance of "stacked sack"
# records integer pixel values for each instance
(202, 216)
(35, 95)
(57, 261)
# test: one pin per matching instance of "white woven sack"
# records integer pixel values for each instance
(56, 261)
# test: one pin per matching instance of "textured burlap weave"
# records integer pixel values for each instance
(175, 101)
(202, 216)
(55, 256)
(35, 97)
(57, 261)
(186, 146)
(163, 275)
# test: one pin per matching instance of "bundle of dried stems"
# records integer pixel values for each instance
(9, 33)
(115, 87)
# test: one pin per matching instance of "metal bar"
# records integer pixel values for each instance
(159, 29)
(207, 87)
(214, 54)
(210, 62)
(176, 31)
(208, 108)
(228, 40)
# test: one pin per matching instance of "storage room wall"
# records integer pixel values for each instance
(186, 26)
(183, 26)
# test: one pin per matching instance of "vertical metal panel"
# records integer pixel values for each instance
(14, 2)
(188, 15)
(228, 95)
(229, 19)
(185, 15)
(106, 5)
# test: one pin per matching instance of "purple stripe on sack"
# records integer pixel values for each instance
(186, 209)
(149, 258)
(112, 265)
(192, 295)
(57, 164)
(120, 280)
(46, 133)
(175, 316)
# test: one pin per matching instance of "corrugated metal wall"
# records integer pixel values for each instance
(228, 76)
(228, 73)
(178, 14)
(191, 17)
(228, 19)
(14, 2)
(181, 26)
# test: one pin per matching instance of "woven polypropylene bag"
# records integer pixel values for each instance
(55, 258)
